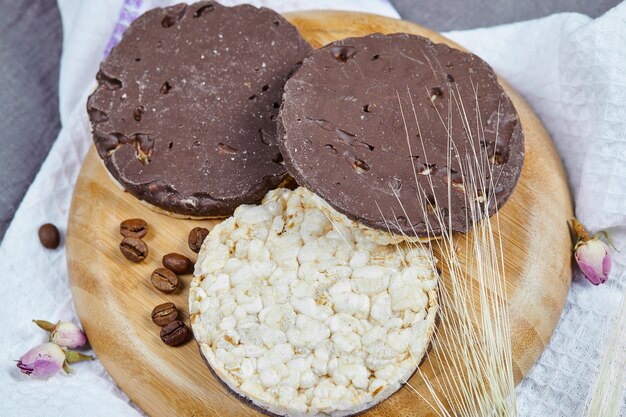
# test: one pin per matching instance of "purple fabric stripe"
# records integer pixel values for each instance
(128, 13)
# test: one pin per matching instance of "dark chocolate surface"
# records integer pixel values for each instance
(386, 128)
(184, 113)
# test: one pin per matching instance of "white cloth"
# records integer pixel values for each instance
(570, 68)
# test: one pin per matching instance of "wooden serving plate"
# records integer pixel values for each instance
(114, 297)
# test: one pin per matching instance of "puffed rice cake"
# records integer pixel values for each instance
(305, 315)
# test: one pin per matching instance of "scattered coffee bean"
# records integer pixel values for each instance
(178, 263)
(134, 249)
(164, 314)
(196, 237)
(164, 280)
(175, 333)
(49, 236)
(133, 228)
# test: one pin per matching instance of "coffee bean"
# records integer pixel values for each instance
(175, 333)
(178, 263)
(134, 228)
(164, 280)
(196, 237)
(49, 236)
(134, 249)
(164, 314)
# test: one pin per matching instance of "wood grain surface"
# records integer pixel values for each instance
(114, 297)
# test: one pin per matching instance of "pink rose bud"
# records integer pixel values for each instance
(68, 335)
(44, 360)
(64, 334)
(594, 260)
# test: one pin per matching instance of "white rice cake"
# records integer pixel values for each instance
(306, 316)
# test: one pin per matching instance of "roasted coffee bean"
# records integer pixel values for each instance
(178, 263)
(134, 228)
(196, 237)
(134, 249)
(164, 314)
(49, 236)
(175, 333)
(164, 280)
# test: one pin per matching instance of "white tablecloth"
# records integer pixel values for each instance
(571, 69)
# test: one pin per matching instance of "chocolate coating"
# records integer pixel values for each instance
(184, 112)
(365, 122)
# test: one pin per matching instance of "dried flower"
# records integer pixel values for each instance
(594, 260)
(64, 334)
(68, 335)
(44, 360)
(592, 255)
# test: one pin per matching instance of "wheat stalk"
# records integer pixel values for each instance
(610, 387)
(471, 360)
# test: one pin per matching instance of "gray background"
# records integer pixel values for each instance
(468, 14)
(30, 48)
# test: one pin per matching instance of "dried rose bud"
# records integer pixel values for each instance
(594, 260)
(68, 335)
(64, 334)
(44, 360)
(592, 255)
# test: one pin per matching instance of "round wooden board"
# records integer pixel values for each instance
(114, 297)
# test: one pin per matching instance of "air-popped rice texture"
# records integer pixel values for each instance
(306, 316)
